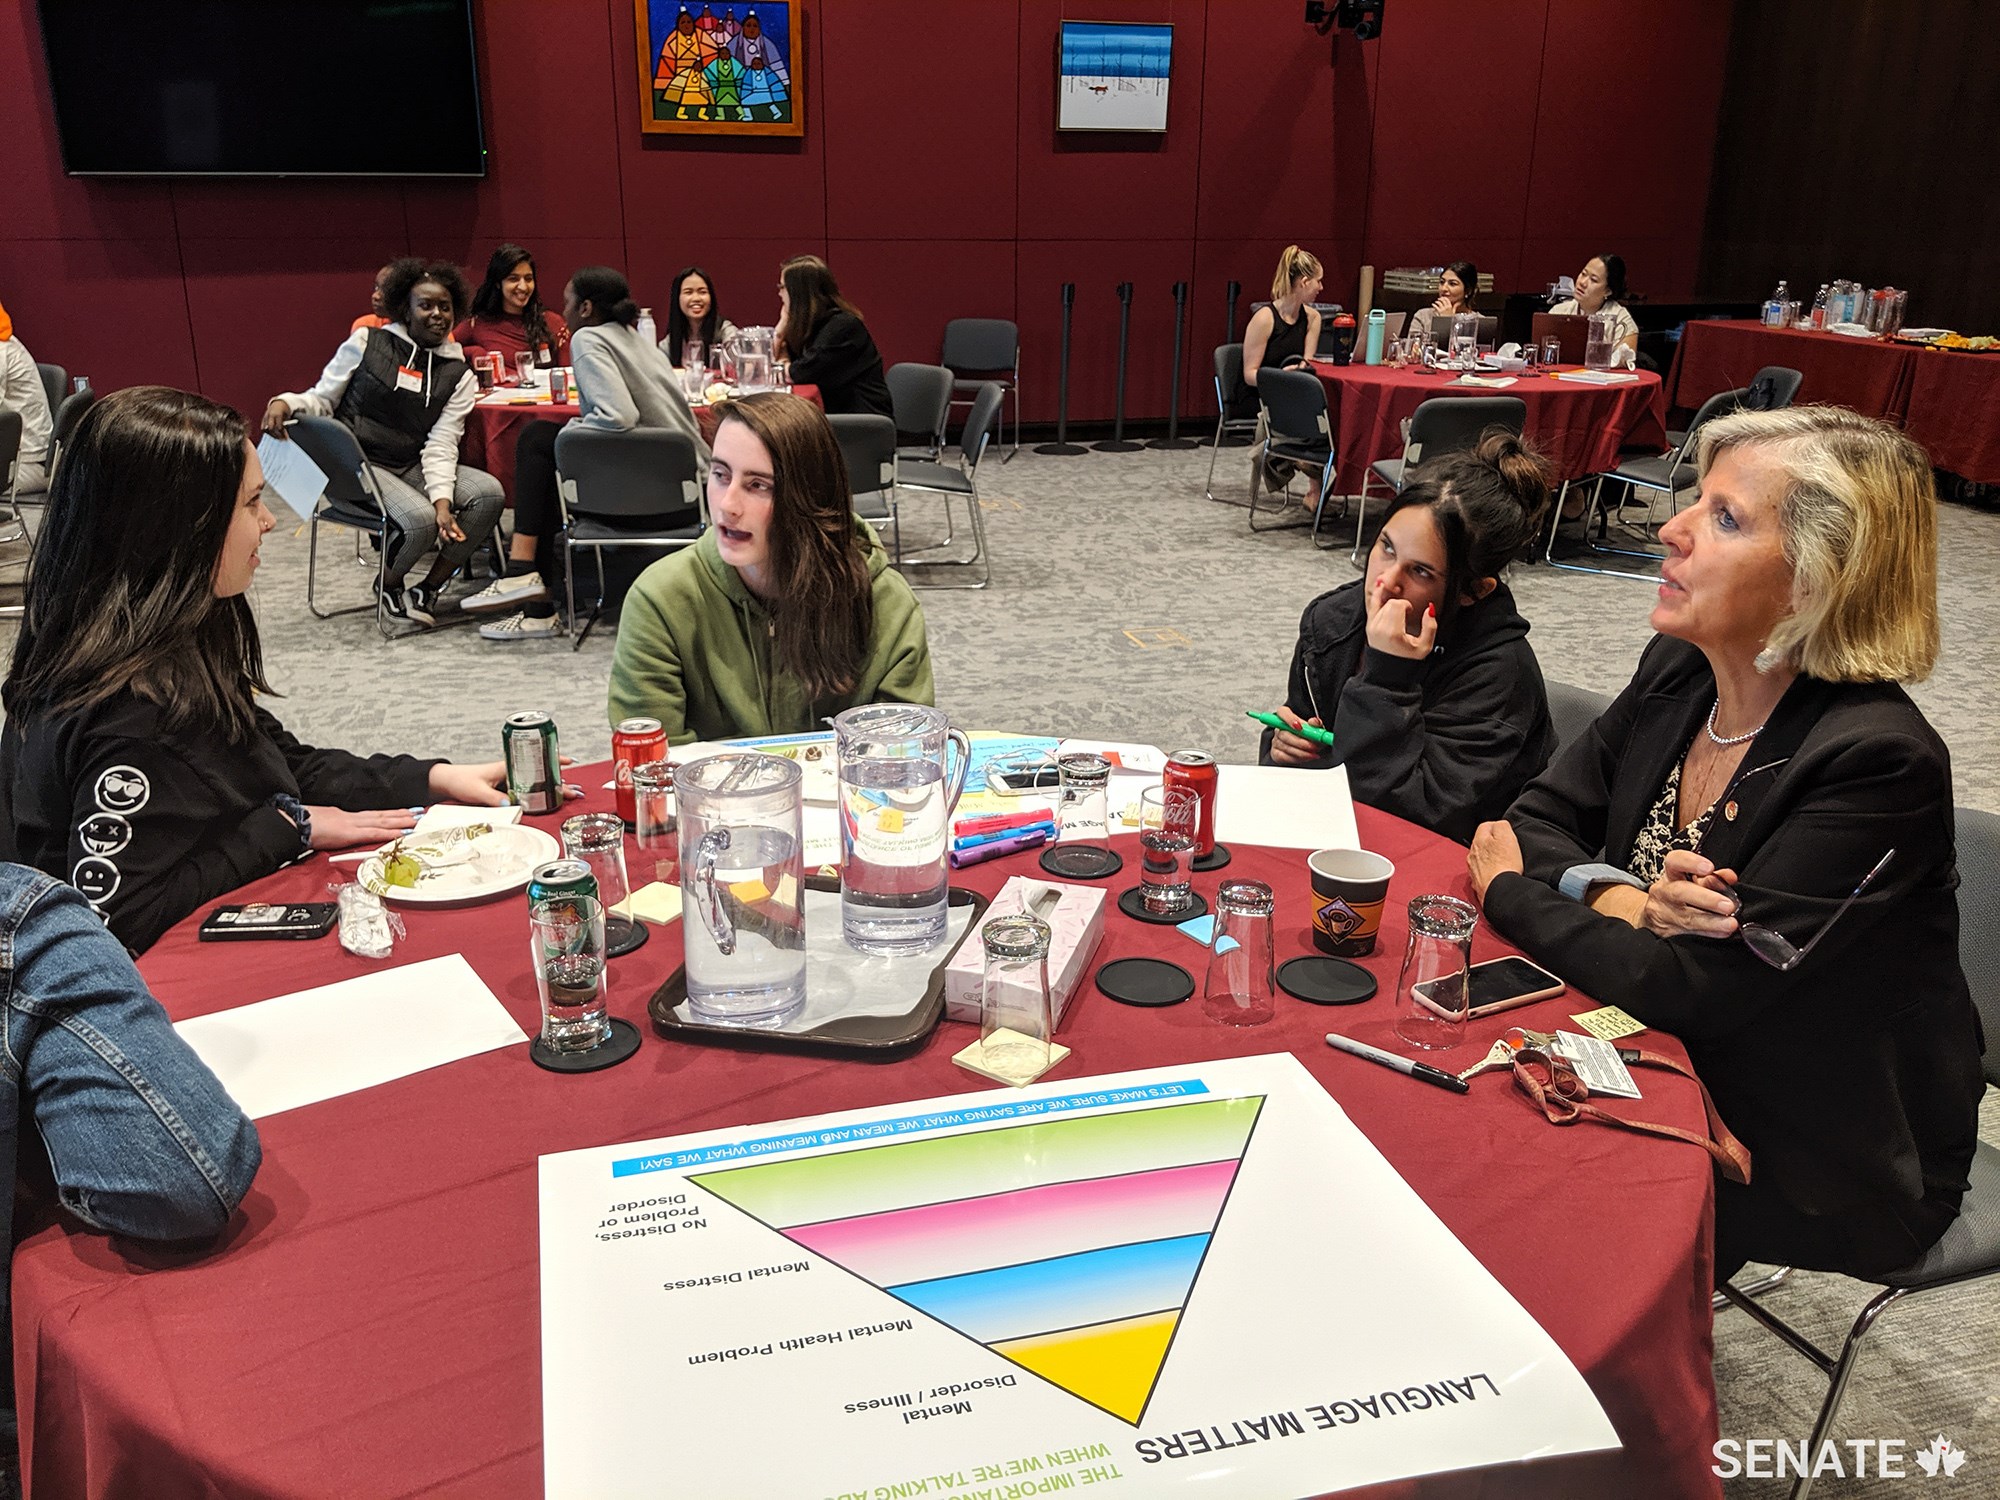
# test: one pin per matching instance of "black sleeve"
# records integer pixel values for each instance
(1432, 762)
(1872, 794)
(151, 839)
(354, 783)
(837, 355)
(1298, 698)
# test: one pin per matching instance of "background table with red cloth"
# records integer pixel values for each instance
(1579, 427)
(1955, 411)
(495, 427)
(370, 1325)
(1870, 375)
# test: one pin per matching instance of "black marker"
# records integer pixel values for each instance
(1422, 1071)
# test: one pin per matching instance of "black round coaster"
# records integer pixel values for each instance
(1133, 904)
(614, 1049)
(1326, 981)
(1081, 861)
(623, 935)
(1145, 981)
(1215, 859)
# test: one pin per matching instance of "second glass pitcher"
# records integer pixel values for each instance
(895, 817)
(742, 887)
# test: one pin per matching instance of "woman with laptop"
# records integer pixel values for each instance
(1600, 287)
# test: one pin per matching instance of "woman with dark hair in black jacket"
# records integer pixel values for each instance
(829, 346)
(1422, 667)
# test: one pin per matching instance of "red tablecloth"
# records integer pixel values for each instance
(1955, 411)
(495, 427)
(370, 1326)
(1869, 375)
(1580, 428)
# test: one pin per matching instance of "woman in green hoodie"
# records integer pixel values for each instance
(785, 611)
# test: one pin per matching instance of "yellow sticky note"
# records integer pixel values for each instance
(658, 903)
(890, 820)
(1608, 1023)
(750, 891)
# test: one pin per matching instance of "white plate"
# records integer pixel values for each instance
(461, 872)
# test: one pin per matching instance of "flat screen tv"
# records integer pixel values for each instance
(265, 88)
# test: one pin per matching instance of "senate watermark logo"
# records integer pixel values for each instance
(1850, 1458)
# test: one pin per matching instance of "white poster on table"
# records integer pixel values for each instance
(1286, 807)
(1200, 1279)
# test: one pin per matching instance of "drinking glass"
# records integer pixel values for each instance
(598, 839)
(1532, 357)
(1166, 857)
(79, 384)
(1083, 817)
(657, 830)
(1433, 990)
(524, 368)
(694, 356)
(1015, 1016)
(1552, 352)
(566, 940)
(1239, 989)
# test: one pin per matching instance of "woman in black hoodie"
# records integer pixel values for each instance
(1422, 668)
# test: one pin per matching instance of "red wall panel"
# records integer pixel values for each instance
(1523, 133)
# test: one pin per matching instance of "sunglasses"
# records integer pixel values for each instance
(1777, 950)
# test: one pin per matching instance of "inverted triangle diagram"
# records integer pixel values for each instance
(1070, 1247)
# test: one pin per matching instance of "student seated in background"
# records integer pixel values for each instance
(1422, 667)
(786, 610)
(829, 346)
(508, 317)
(694, 312)
(1600, 287)
(405, 390)
(623, 382)
(1759, 765)
(1458, 284)
(377, 315)
(21, 390)
(137, 761)
(1285, 334)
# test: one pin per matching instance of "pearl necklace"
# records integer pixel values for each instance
(1728, 740)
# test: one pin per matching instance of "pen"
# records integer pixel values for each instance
(974, 840)
(1312, 732)
(960, 858)
(994, 822)
(1419, 1070)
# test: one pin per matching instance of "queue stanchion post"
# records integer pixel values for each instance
(1118, 442)
(1173, 439)
(1062, 447)
(1235, 291)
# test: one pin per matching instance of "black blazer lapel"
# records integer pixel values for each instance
(1667, 719)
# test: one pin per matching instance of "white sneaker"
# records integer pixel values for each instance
(522, 627)
(506, 593)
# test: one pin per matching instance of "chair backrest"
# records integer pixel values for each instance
(920, 398)
(55, 381)
(10, 446)
(1229, 387)
(649, 472)
(1454, 424)
(1979, 921)
(979, 423)
(981, 345)
(70, 413)
(1296, 403)
(333, 446)
(1573, 709)
(1570, 330)
(1772, 388)
(868, 443)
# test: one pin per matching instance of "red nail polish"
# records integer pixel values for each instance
(1431, 610)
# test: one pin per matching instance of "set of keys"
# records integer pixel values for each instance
(1511, 1041)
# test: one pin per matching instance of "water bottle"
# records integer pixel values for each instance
(1377, 320)
(648, 330)
(1819, 307)
(1774, 310)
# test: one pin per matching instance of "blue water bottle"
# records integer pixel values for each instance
(1376, 318)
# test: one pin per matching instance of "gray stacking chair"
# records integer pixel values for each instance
(1573, 709)
(68, 415)
(920, 401)
(10, 449)
(1970, 1249)
(55, 383)
(1441, 425)
(868, 443)
(1229, 393)
(1772, 388)
(640, 488)
(982, 350)
(942, 479)
(1295, 427)
(351, 500)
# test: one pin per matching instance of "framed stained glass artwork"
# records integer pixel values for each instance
(721, 67)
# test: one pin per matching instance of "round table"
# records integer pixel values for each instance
(369, 1324)
(1578, 427)
(496, 423)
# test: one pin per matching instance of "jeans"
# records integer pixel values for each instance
(476, 501)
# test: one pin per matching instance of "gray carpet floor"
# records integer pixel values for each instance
(1124, 605)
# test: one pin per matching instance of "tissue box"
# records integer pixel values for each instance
(1076, 927)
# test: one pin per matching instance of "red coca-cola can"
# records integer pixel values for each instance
(635, 742)
(1192, 773)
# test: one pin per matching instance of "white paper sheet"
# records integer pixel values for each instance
(457, 814)
(289, 474)
(341, 1038)
(1286, 808)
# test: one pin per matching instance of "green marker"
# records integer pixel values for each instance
(1312, 732)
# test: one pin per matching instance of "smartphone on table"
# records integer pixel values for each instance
(263, 919)
(1498, 984)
